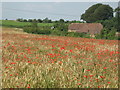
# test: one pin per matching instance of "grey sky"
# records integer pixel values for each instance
(52, 10)
(59, 0)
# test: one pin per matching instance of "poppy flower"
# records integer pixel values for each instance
(102, 77)
(60, 62)
(88, 70)
(85, 76)
(62, 48)
(28, 87)
(12, 63)
(11, 75)
(105, 67)
(78, 83)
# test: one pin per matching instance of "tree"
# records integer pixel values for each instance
(67, 21)
(29, 20)
(24, 20)
(20, 20)
(39, 20)
(34, 20)
(61, 20)
(49, 21)
(46, 20)
(97, 12)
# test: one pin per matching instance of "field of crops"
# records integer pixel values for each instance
(11, 23)
(40, 61)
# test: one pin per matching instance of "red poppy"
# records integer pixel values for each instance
(28, 87)
(12, 63)
(98, 86)
(6, 67)
(70, 50)
(62, 48)
(102, 77)
(88, 70)
(91, 80)
(91, 75)
(11, 75)
(105, 67)
(29, 62)
(110, 60)
(60, 62)
(16, 73)
(85, 76)
(78, 83)
(34, 62)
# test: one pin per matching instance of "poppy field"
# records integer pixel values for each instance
(41, 61)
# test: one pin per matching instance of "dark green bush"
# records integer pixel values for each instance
(107, 34)
(46, 32)
(58, 32)
(61, 26)
(37, 30)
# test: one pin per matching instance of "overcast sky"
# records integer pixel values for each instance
(52, 10)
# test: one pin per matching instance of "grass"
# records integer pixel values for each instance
(40, 61)
(12, 23)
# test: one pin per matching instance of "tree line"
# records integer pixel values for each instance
(47, 20)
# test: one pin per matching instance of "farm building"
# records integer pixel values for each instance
(91, 28)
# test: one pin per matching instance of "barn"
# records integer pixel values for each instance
(88, 28)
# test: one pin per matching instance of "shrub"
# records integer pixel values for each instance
(33, 28)
(61, 26)
(56, 32)
(107, 34)
(46, 32)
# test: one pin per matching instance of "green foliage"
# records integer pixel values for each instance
(25, 20)
(40, 21)
(46, 20)
(37, 30)
(74, 21)
(117, 12)
(61, 20)
(33, 28)
(75, 34)
(58, 32)
(97, 12)
(107, 34)
(46, 32)
(20, 20)
(30, 20)
(28, 29)
(61, 26)
(109, 24)
(117, 16)
(103, 12)
(88, 15)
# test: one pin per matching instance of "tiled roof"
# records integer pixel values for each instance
(91, 28)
